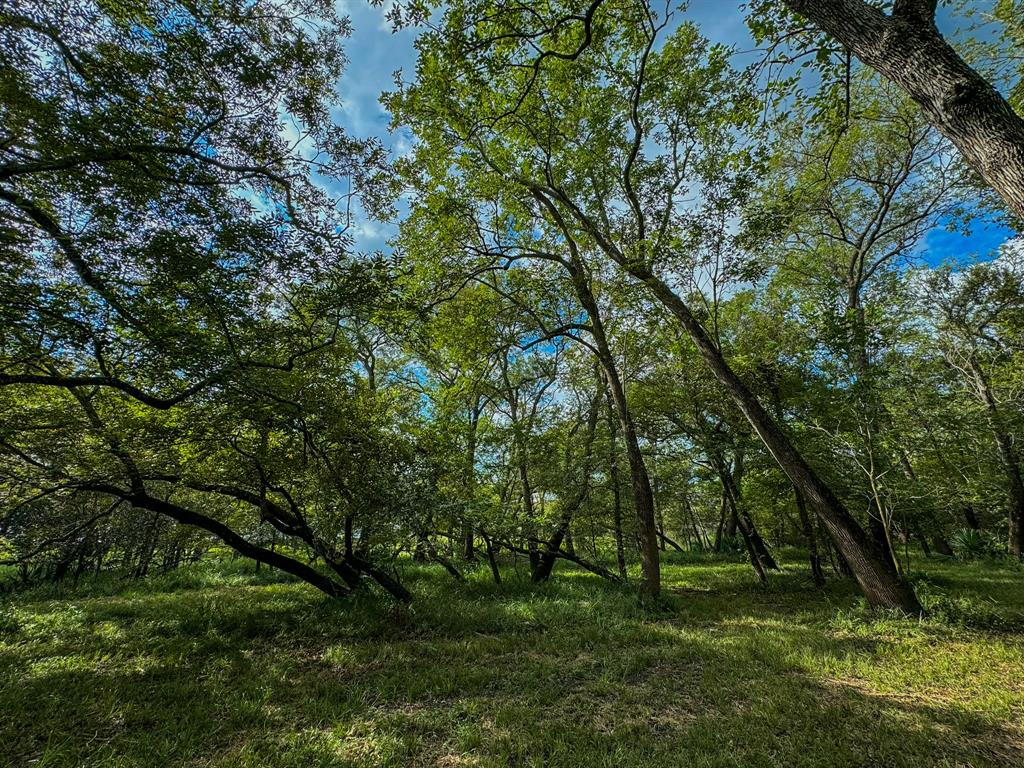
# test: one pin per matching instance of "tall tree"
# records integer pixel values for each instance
(608, 134)
(905, 46)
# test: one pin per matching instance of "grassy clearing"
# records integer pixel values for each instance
(229, 668)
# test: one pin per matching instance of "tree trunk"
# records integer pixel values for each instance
(643, 495)
(469, 479)
(492, 561)
(812, 540)
(547, 559)
(732, 518)
(723, 514)
(1008, 457)
(907, 48)
(971, 519)
(941, 545)
(242, 546)
(740, 518)
(613, 480)
(881, 587)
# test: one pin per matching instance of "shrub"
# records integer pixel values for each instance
(969, 544)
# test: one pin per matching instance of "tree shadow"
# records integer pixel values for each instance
(575, 673)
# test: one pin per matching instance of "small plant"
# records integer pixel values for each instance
(9, 623)
(970, 544)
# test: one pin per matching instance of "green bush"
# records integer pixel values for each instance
(969, 544)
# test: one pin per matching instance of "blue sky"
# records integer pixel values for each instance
(375, 52)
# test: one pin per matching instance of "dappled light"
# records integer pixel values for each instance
(499, 383)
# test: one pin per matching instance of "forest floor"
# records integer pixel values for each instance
(219, 666)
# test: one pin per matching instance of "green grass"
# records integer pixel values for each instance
(222, 667)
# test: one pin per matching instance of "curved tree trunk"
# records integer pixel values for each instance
(643, 495)
(142, 500)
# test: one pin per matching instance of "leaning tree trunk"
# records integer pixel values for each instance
(907, 48)
(760, 557)
(492, 560)
(554, 544)
(743, 516)
(747, 531)
(881, 587)
(141, 500)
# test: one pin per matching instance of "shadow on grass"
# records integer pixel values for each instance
(573, 673)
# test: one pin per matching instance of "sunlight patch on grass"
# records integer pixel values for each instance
(575, 673)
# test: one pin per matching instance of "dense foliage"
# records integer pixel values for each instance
(642, 296)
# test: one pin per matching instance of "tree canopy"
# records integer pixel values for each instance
(643, 292)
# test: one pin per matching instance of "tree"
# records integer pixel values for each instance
(607, 137)
(906, 47)
(173, 257)
(979, 312)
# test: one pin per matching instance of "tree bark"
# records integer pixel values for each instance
(740, 519)
(140, 499)
(881, 587)
(907, 48)
(643, 495)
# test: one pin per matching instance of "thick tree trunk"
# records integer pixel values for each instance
(881, 587)
(907, 48)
